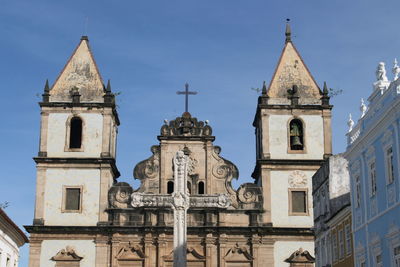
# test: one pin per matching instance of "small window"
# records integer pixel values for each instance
(201, 188)
(334, 247)
(341, 244)
(75, 135)
(358, 191)
(296, 135)
(72, 199)
(378, 260)
(189, 187)
(389, 162)
(348, 239)
(298, 202)
(396, 254)
(170, 187)
(372, 176)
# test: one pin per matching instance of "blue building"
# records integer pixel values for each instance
(373, 155)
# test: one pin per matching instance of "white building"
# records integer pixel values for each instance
(11, 238)
(373, 155)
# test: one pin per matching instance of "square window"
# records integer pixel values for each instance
(298, 202)
(72, 199)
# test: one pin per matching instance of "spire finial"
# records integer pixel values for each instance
(108, 88)
(264, 89)
(288, 32)
(325, 90)
(46, 86)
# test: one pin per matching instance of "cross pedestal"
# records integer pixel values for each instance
(180, 201)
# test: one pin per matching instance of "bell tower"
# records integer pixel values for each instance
(293, 137)
(76, 158)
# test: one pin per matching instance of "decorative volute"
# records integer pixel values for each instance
(292, 71)
(79, 76)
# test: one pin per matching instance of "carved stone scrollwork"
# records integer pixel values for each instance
(148, 168)
(224, 169)
(186, 125)
(119, 195)
(249, 193)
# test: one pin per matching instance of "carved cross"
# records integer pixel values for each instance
(180, 201)
(186, 93)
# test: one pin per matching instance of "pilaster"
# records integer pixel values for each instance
(43, 133)
(265, 134)
(35, 247)
(106, 136)
(326, 116)
(40, 193)
(266, 186)
(102, 252)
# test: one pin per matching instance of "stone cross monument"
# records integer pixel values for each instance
(180, 201)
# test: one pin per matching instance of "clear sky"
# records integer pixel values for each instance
(149, 49)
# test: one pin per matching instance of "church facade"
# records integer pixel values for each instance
(85, 217)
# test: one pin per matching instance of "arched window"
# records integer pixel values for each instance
(201, 188)
(189, 187)
(170, 187)
(296, 134)
(75, 134)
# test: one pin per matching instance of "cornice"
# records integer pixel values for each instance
(53, 160)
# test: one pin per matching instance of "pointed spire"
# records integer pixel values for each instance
(46, 94)
(325, 90)
(108, 88)
(288, 32)
(325, 95)
(46, 86)
(81, 72)
(109, 97)
(264, 89)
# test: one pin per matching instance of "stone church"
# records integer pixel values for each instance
(85, 217)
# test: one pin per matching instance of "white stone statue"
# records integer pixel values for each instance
(363, 108)
(381, 72)
(395, 70)
(350, 123)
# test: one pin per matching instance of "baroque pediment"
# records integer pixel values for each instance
(238, 254)
(300, 256)
(130, 253)
(67, 254)
(185, 126)
(191, 255)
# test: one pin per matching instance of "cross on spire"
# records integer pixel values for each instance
(186, 93)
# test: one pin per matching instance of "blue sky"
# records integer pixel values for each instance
(149, 49)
